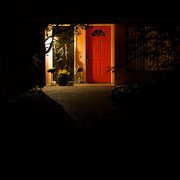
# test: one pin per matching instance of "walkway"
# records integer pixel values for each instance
(111, 141)
(88, 105)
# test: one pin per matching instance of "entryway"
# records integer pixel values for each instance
(93, 51)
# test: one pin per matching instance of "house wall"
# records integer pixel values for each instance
(122, 76)
(48, 62)
(80, 55)
(48, 65)
(120, 53)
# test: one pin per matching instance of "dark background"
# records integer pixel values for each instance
(22, 24)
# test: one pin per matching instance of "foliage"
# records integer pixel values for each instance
(36, 64)
(63, 52)
(60, 38)
(62, 29)
(64, 72)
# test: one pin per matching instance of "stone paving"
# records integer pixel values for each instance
(88, 105)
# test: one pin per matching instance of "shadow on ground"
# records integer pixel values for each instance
(41, 141)
(36, 131)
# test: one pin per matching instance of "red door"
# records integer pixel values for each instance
(98, 43)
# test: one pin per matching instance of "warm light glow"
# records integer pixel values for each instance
(49, 64)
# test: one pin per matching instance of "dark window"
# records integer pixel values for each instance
(98, 32)
(152, 48)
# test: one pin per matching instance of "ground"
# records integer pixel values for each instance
(41, 141)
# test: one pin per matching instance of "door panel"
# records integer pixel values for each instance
(98, 54)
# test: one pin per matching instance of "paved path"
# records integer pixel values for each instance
(88, 105)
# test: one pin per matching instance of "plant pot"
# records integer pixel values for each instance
(62, 79)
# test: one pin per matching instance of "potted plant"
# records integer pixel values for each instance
(63, 77)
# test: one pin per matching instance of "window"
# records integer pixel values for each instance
(151, 48)
(98, 33)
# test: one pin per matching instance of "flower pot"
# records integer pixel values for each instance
(62, 79)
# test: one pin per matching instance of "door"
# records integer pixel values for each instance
(98, 55)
